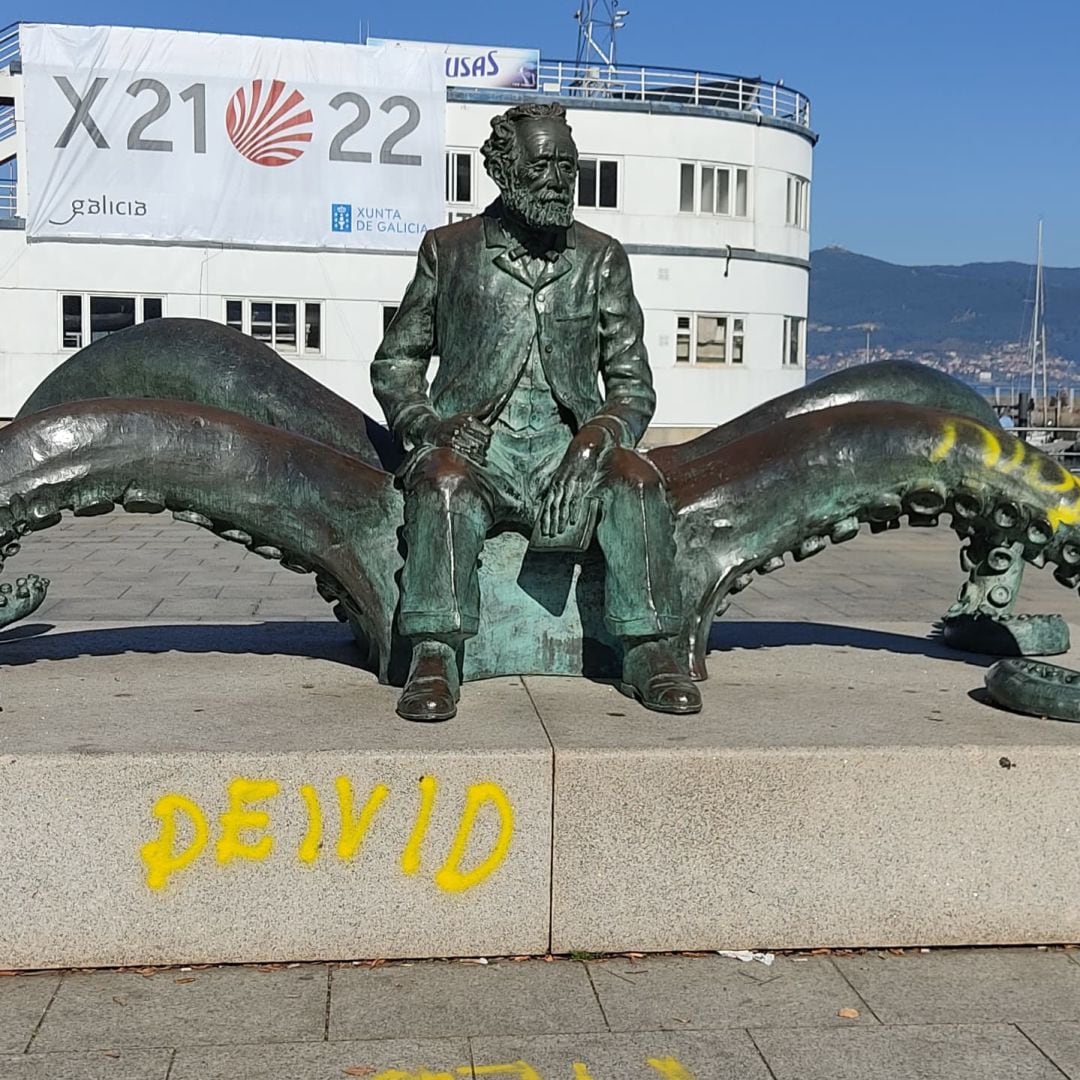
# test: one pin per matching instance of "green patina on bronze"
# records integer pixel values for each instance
(981, 619)
(513, 528)
(791, 489)
(1032, 687)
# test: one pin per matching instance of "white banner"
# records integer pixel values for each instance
(480, 65)
(173, 136)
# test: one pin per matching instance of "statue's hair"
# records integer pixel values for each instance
(501, 148)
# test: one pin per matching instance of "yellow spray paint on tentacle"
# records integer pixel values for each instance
(1065, 510)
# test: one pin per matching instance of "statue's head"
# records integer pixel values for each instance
(531, 155)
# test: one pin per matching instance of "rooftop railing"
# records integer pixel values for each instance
(678, 86)
(8, 199)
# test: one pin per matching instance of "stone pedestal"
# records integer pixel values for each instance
(208, 793)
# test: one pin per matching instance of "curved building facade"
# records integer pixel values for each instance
(704, 178)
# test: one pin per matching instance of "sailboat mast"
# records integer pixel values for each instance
(1036, 318)
(1041, 293)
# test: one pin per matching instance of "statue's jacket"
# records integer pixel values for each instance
(476, 308)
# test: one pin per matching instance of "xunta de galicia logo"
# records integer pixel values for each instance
(267, 124)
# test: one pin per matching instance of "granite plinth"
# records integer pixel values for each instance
(844, 786)
(234, 799)
(244, 792)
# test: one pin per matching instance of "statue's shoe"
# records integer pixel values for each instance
(652, 675)
(667, 692)
(427, 699)
(432, 689)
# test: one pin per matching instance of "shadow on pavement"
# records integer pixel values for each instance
(28, 643)
(31, 642)
(730, 635)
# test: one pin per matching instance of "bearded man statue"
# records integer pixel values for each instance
(528, 312)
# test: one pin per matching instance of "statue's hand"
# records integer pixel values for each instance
(573, 480)
(463, 432)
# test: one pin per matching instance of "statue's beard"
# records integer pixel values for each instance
(545, 209)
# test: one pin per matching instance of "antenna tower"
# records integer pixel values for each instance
(598, 22)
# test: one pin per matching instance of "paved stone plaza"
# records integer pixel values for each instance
(945, 1015)
(898, 1014)
(122, 567)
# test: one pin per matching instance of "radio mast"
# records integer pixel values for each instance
(598, 23)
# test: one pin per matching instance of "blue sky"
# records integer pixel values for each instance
(946, 128)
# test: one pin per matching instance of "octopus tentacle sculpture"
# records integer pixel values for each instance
(193, 417)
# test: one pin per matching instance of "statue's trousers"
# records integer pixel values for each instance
(452, 502)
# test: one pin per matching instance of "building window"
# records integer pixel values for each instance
(388, 313)
(459, 176)
(458, 215)
(706, 338)
(87, 317)
(794, 341)
(312, 327)
(71, 328)
(598, 183)
(722, 190)
(798, 202)
(289, 326)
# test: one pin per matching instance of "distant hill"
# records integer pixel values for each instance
(968, 309)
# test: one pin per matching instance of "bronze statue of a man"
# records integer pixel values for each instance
(527, 311)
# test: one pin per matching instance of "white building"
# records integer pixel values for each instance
(704, 178)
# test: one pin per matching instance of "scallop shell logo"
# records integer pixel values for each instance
(266, 124)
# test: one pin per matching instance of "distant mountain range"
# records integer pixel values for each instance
(970, 311)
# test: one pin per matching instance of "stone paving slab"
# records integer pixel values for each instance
(91, 1065)
(23, 1002)
(685, 1017)
(683, 993)
(105, 1010)
(1060, 1042)
(207, 805)
(438, 1000)
(654, 1055)
(967, 986)
(976, 1052)
(403, 1059)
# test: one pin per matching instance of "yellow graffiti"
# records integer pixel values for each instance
(353, 830)
(158, 855)
(991, 446)
(423, 1074)
(238, 818)
(1063, 512)
(670, 1068)
(450, 877)
(245, 831)
(517, 1068)
(410, 857)
(312, 842)
(1035, 477)
(945, 445)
